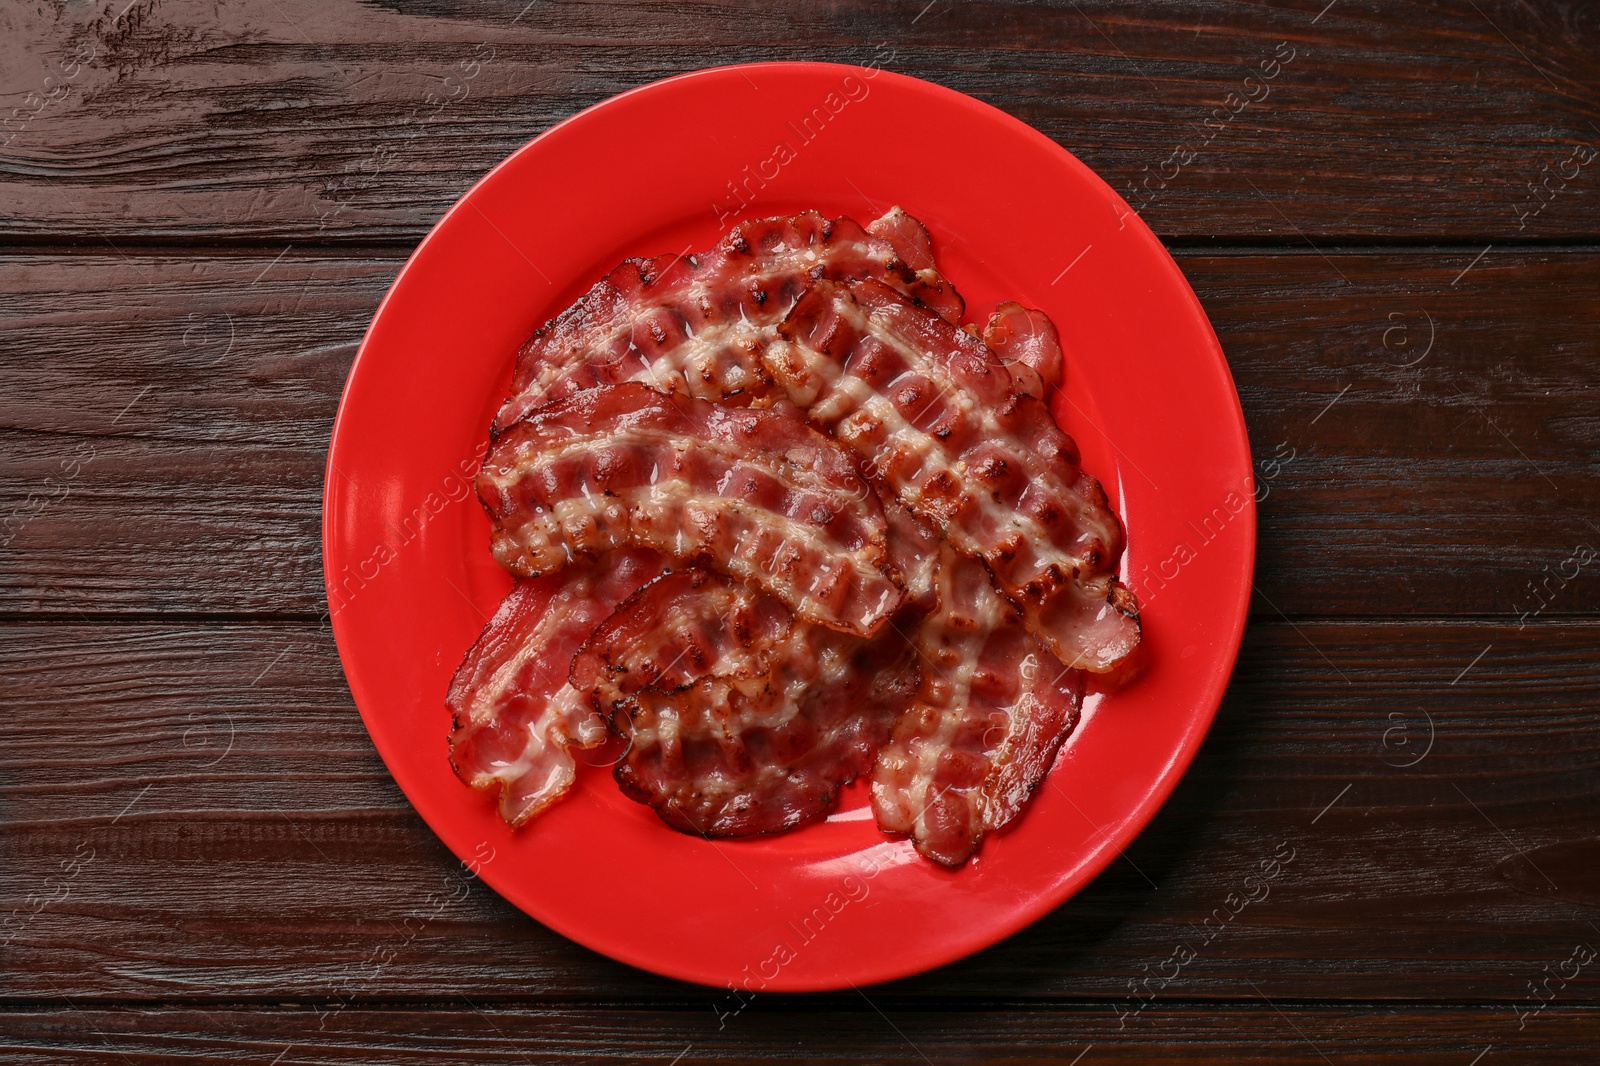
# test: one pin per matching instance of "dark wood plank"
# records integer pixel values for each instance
(146, 401)
(165, 421)
(299, 120)
(228, 833)
(1257, 1033)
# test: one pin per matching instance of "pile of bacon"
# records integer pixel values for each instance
(779, 520)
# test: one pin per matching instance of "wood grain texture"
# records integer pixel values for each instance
(1398, 240)
(166, 418)
(303, 120)
(1264, 1032)
(194, 811)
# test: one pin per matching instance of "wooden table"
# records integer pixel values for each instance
(1397, 236)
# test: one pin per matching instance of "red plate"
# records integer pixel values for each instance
(668, 168)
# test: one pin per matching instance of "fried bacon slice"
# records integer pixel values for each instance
(754, 494)
(942, 424)
(515, 714)
(740, 718)
(694, 324)
(984, 726)
(1026, 344)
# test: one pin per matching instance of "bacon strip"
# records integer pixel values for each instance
(754, 494)
(515, 714)
(944, 426)
(1026, 344)
(984, 726)
(694, 324)
(740, 718)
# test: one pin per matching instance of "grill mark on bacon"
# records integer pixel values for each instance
(984, 726)
(940, 423)
(695, 324)
(739, 718)
(514, 715)
(755, 494)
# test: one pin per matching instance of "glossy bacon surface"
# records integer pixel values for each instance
(515, 714)
(984, 726)
(694, 324)
(739, 718)
(754, 494)
(939, 421)
(914, 547)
